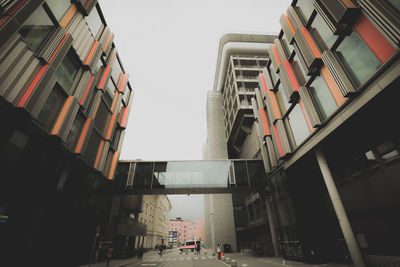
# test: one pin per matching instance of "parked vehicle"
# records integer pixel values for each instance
(188, 245)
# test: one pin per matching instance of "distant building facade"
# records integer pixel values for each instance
(184, 230)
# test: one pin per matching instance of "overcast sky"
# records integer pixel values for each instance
(169, 48)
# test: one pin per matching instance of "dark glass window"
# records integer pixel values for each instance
(322, 32)
(360, 61)
(116, 70)
(102, 117)
(52, 107)
(115, 139)
(323, 97)
(92, 148)
(126, 95)
(298, 124)
(109, 92)
(76, 130)
(59, 7)
(395, 4)
(37, 28)
(68, 70)
(94, 21)
(305, 8)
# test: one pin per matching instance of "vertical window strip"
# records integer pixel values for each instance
(339, 98)
(68, 16)
(374, 39)
(313, 47)
(303, 108)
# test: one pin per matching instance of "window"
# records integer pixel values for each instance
(92, 147)
(68, 70)
(360, 61)
(323, 97)
(287, 45)
(127, 94)
(116, 70)
(75, 130)
(52, 107)
(109, 93)
(299, 70)
(298, 124)
(37, 28)
(395, 4)
(283, 100)
(94, 21)
(305, 8)
(322, 32)
(58, 7)
(102, 117)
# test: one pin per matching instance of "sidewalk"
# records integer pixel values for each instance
(119, 262)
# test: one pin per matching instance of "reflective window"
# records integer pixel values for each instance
(298, 124)
(94, 21)
(283, 100)
(102, 117)
(67, 70)
(76, 130)
(37, 28)
(92, 147)
(127, 93)
(52, 107)
(287, 45)
(395, 4)
(59, 7)
(323, 97)
(109, 92)
(305, 8)
(299, 70)
(116, 70)
(322, 32)
(358, 58)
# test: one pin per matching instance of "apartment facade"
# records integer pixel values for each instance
(64, 99)
(156, 210)
(185, 230)
(323, 122)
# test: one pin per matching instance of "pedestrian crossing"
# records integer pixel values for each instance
(178, 258)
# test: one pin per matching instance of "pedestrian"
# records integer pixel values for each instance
(219, 251)
(161, 249)
(198, 248)
(109, 255)
(140, 252)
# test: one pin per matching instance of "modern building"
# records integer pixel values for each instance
(64, 104)
(324, 114)
(185, 230)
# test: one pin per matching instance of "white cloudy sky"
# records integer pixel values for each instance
(169, 48)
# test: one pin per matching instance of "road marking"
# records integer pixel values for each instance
(148, 264)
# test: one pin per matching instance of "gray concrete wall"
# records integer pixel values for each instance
(219, 225)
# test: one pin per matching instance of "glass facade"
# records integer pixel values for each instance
(298, 124)
(102, 117)
(305, 8)
(58, 7)
(67, 71)
(322, 32)
(52, 107)
(360, 61)
(75, 131)
(322, 97)
(116, 70)
(36, 28)
(92, 147)
(94, 21)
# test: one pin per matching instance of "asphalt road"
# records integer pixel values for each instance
(173, 258)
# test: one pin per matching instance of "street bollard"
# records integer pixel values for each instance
(233, 263)
(227, 260)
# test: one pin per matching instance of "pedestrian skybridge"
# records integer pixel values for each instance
(190, 177)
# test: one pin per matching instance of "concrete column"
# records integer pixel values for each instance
(271, 223)
(344, 223)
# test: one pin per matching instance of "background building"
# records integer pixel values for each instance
(64, 104)
(332, 175)
(185, 230)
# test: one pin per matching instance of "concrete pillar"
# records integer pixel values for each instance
(271, 223)
(344, 223)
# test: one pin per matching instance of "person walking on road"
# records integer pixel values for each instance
(198, 248)
(161, 249)
(219, 251)
(140, 252)
(109, 255)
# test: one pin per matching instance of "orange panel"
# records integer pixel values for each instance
(264, 122)
(337, 95)
(103, 77)
(290, 24)
(81, 139)
(264, 84)
(91, 53)
(68, 16)
(278, 141)
(98, 156)
(348, 3)
(278, 59)
(113, 166)
(108, 39)
(274, 104)
(86, 90)
(58, 47)
(303, 108)
(32, 86)
(111, 126)
(310, 42)
(61, 116)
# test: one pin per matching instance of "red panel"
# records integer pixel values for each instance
(374, 39)
(111, 126)
(123, 83)
(81, 139)
(291, 75)
(99, 152)
(32, 86)
(113, 166)
(278, 59)
(310, 42)
(103, 77)
(279, 141)
(86, 90)
(274, 104)
(264, 84)
(290, 24)
(125, 117)
(91, 53)
(58, 48)
(264, 122)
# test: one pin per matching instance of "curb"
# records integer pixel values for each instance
(127, 263)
